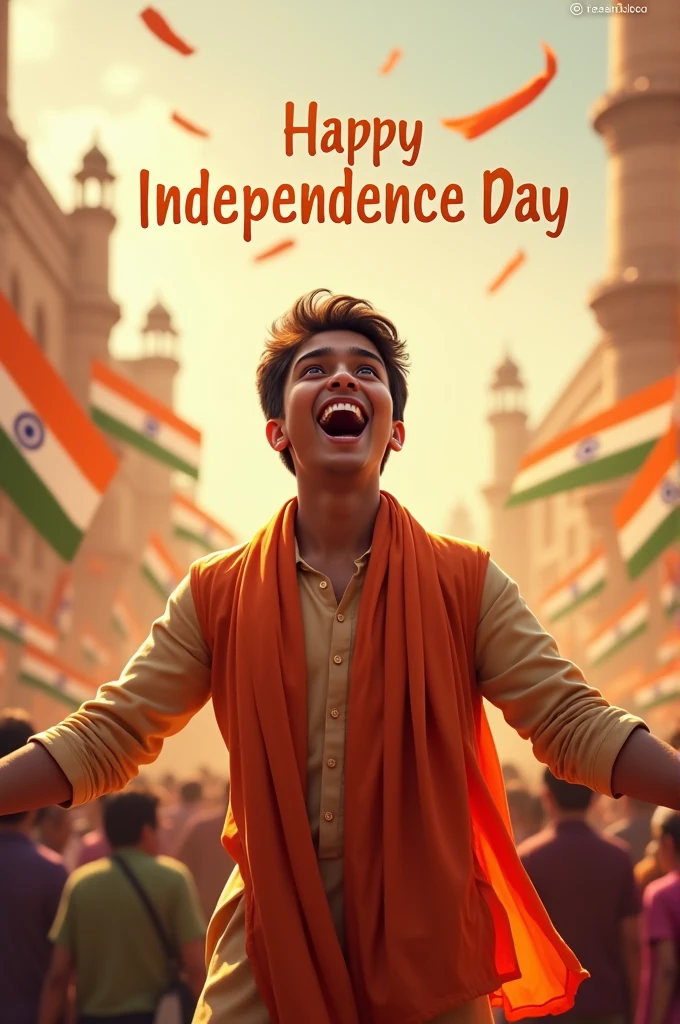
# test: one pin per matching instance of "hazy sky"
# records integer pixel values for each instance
(80, 68)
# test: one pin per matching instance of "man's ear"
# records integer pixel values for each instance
(398, 436)
(276, 435)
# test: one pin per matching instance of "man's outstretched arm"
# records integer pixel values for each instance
(100, 747)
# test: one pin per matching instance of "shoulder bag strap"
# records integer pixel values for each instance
(152, 912)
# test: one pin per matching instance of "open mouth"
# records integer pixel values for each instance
(342, 419)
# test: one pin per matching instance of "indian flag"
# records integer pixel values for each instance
(61, 606)
(670, 586)
(626, 625)
(669, 647)
(609, 445)
(193, 524)
(54, 464)
(659, 688)
(124, 621)
(131, 414)
(583, 583)
(21, 626)
(159, 567)
(647, 517)
(95, 652)
(54, 678)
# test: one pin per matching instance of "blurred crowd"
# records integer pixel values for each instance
(104, 907)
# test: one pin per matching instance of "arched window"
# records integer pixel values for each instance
(15, 292)
(39, 327)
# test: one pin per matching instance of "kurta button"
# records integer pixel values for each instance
(341, 617)
(331, 762)
(328, 815)
(335, 713)
(323, 584)
(337, 659)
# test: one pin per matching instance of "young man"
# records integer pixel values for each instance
(377, 881)
(586, 883)
(104, 935)
(660, 988)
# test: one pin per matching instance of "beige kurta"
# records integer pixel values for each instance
(542, 696)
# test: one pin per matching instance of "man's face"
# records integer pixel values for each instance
(338, 407)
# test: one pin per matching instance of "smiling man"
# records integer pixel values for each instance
(347, 651)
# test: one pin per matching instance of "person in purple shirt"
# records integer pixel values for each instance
(587, 885)
(31, 882)
(660, 986)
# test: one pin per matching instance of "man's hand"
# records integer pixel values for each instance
(647, 769)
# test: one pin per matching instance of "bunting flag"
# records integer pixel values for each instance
(508, 270)
(473, 125)
(579, 586)
(54, 464)
(130, 414)
(393, 58)
(188, 126)
(669, 647)
(95, 652)
(54, 678)
(157, 24)
(61, 605)
(609, 445)
(192, 524)
(670, 586)
(661, 687)
(647, 517)
(3, 663)
(124, 622)
(20, 626)
(159, 567)
(628, 623)
(274, 250)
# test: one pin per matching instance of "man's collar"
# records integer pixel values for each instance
(299, 560)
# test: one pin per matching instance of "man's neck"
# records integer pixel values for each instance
(563, 816)
(335, 524)
(16, 828)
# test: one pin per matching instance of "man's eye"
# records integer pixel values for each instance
(369, 368)
(312, 368)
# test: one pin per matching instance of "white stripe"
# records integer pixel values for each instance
(26, 630)
(51, 462)
(159, 568)
(135, 417)
(670, 593)
(668, 650)
(581, 584)
(51, 676)
(192, 521)
(619, 630)
(667, 686)
(651, 514)
(647, 426)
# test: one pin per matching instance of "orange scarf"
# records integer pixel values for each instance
(438, 907)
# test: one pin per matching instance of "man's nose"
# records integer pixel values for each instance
(342, 379)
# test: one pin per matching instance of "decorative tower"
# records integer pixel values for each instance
(156, 369)
(93, 311)
(508, 420)
(639, 119)
(460, 523)
(13, 153)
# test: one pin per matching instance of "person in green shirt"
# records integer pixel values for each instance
(103, 934)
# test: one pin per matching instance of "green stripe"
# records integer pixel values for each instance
(672, 608)
(580, 600)
(7, 634)
(659, 702)
(667, 533)
(118, 626)
(35, 501)
(599, 471)
(124, 433)
(195, 538)
(638, 631)
(154, 583)
(40, 684)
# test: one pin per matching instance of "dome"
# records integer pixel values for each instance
(95, 166)
(507, 375)
(158, 320)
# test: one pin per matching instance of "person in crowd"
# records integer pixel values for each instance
(103, 933)
(635, 827)
(54, 828)
(32, 878)
(93, 844)
(200, 848)
(526, 812)
(586, 884)
(659, 1001)
(177, 815)
(649, 868)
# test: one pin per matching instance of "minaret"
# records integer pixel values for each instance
(93, 312)
(13, 153)
(639, 119)
(156, 369)
(508, 421)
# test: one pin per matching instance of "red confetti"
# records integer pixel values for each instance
(393, 58)
(280, 247)
(507, 271)
(157, 24)
(189, 126)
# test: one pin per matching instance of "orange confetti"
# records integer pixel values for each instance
(507, 271)
(280, 247)
(189, 126)
(477, 124)
(157, 24)
(393, 58)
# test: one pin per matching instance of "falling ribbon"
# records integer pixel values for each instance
(477, 124)
(274, 250)
(393, 58)
(507, 271)
(157, 24)
(189, 126)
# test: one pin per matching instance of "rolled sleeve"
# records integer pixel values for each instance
(543, 696)
(102, 745)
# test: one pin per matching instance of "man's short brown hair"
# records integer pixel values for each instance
(16, 728)
(311, 314)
